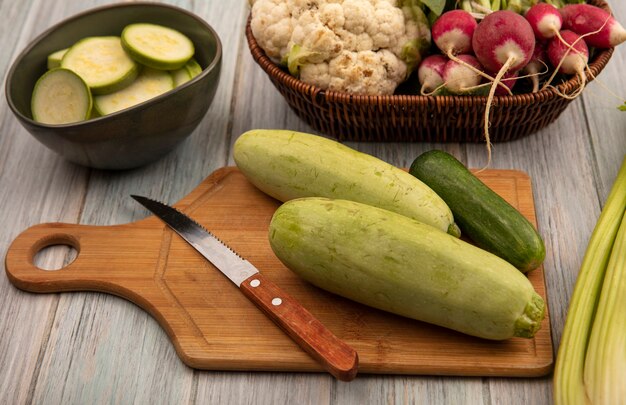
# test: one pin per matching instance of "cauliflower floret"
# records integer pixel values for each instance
(358, 15)
(366, 72)
(355, 46)
(311, 34)
(272, 26)
(316, 74)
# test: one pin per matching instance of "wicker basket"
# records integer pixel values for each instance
(409, 118)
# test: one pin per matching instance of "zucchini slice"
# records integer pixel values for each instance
(193, 67)
(157, 46)
(102, 63)
(54, 59)
(150, 83)
(181, 76)
(187, 72)
(61, 97)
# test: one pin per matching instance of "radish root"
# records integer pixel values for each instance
(492, 92)
(534, 74)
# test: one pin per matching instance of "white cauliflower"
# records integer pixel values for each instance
(354, 46)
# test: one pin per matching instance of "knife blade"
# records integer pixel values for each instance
(334, 355)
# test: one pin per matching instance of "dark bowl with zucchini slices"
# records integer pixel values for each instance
(127, 115)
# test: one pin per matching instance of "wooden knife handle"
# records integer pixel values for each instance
(333, 354)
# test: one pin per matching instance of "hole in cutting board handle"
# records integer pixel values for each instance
(55, 252)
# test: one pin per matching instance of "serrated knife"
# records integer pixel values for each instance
(335, 356)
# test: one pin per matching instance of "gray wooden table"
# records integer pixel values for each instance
(83, 348)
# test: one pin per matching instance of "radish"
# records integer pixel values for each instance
(453, 31)
(458, 77)
(570, 57)
(545, 20)
(430, 73)
(599, 28)
(503, 41)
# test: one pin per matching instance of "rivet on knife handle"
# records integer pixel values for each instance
(334, 355)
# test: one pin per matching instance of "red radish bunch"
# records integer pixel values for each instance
(452, 33)
(569, 32)
(504, 44)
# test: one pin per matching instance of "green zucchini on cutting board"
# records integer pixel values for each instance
(391, 262)
(288, 164)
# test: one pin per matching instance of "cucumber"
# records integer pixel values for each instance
(60, 96)
(288, 165)
(54, 59)
(484, 216)
(102, 63)
(149, 84)
(157, 46)
(396, 264)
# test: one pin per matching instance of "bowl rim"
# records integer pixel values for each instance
(215, 62)
(319, 96)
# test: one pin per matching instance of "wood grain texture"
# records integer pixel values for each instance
(214, 327)
(85, 347)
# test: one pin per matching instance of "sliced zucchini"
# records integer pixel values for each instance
(193, 67)
(102, 63)
(187, 72)
(61, 97)
(54, 59)
(157, 46)
(181, 76)
(150, 83)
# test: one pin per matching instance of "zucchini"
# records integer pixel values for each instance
(484, 216)
(61, 97)
(55, 58)
(102, 63)
(157, 46)
(180, 76)
(193, 67)
(396, 264)
(149, 84)
(288, 165)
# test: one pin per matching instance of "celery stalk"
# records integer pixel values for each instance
(568, 373)
(605, 364)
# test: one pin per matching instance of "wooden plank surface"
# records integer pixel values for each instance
(83, 348)
(213, 326)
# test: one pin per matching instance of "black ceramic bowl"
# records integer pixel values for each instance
(131, 137)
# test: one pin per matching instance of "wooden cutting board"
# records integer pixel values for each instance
(213, 326)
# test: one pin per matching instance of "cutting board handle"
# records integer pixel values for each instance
(20, 259)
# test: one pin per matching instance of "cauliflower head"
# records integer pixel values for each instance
(354, 46)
